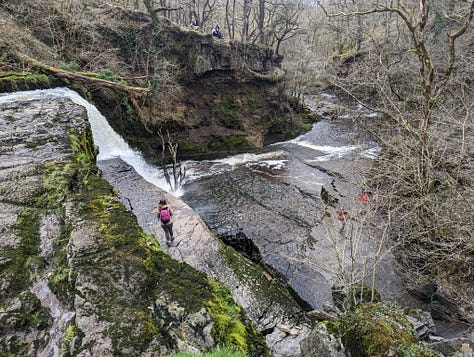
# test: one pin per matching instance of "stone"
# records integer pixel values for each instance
(320, 343)
(422, 322)
(267, 304)
(77, 274)
(455, 347)
(322, 315)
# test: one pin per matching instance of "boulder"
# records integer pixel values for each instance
(321, 343)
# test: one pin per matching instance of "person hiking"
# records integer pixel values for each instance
(165, 214)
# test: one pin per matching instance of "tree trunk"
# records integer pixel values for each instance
(261, 22)
(245, 21)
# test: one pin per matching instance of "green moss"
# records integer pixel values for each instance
(191, 148)
(31, 313)
(229, 112)
(22, 261)
(26, 315)
(221, 352)
(117, 227)
(67, 339)
(231, 328)
(19, 269)
(72, 333)
(136, 331)
(14, 348)
(59, 179)
(71, 66)
(417, 350)
(56, 179)
(212, 147)
(228, 330)
(228, 143)
(109, 75)
(377, 329)
(265, 290)
(181, 283)
(16, 82)
(59, 282)
(86, 152)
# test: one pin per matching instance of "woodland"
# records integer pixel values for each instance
(408, 61)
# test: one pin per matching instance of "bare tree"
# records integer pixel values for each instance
(261, 22)
(173, 170)
(284, 22)
(230, 17)
(417, 79)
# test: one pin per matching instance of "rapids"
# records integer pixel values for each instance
(268, 203)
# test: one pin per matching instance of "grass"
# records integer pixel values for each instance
(222, 352)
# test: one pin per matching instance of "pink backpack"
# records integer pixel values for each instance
(165, 215)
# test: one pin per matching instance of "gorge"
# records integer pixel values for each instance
(291, 234)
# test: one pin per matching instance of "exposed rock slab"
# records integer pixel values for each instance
(76, 274)
(267, 303)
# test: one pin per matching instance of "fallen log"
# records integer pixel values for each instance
(131, 92)
(61, 73)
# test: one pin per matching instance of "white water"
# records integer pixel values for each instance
(111, 145)
(330, 152)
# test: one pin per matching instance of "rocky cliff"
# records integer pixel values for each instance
(220, 97)
(214, 97)
(77, 274)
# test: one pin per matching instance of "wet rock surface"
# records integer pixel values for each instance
(286, 200)
(266, 301)
(32, 134)
(322, 344)
(100, 280)
(76, 274)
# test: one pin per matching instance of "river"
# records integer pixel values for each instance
(268, 203)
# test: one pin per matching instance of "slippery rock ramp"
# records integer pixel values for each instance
(267, 302)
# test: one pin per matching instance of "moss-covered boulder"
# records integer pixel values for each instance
(77, 273)
(379, 329)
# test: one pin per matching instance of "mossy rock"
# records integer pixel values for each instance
(216, 146)
(16, 82)
(346, 297)
(380, 329)
(232, 328)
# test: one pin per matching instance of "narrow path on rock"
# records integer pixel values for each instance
(267, 303)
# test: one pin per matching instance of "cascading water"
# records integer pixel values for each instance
(248, 195)
(273, 198)
(111, 145)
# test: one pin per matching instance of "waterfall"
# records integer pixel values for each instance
(111, 145)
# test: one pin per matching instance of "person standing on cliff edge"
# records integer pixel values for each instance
(165, 214)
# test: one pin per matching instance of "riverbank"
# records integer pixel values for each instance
(78, 275)
(267, 302)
